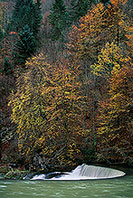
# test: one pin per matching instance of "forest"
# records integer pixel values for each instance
(65, 83)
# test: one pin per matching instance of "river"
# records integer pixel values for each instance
(110, 188)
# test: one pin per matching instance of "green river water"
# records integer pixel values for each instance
(110, 188)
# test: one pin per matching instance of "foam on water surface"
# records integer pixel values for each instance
(83, 172)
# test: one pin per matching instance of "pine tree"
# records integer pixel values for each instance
(79, 9)
(105, 2)
(1, 35)
(26, 22)
(26, 12)
(21, 15)
(37, 18)
(59, 19)
(25, 46)
(7, 66)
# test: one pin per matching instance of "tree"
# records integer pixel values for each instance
(25, 46)
(110, 58)
(130, 41)
(7, 66)
(25, 22)
(64, 111)
(78, 9)
(100, 25)
(4, 15)
(114, 126)
(37, 18)
(26, 12)
(48, 109)
(105, 2)
(115, 119)
(7, 47)
(28, 107)
(59, 19)
(85, 42)
(1, 35)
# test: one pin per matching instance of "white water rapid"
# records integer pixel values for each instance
(83, 172)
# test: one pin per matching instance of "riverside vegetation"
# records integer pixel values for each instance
(66, 84)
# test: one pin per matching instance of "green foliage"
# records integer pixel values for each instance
(1, 35)
(89, 154)
(25, 22)
(37, 18)
(79, 9)
(59, 19)
(4, 17)
(26, 12)
(25, 46)
(105, 2)
(7, 66)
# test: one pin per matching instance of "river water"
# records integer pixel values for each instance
(110, 188)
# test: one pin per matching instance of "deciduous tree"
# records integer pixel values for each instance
(100, 25)
(114, 127)
(49, 110)
(27, 106)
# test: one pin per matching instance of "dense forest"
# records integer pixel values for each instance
(65, 83)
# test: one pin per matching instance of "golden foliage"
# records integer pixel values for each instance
(109, 61)
(118, 2)
(95, 29)
(47, 108)
(27, 104)
(115, 111)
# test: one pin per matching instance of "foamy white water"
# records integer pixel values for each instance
(83, 172)
(39, 177)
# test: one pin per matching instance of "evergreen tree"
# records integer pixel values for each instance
(79, 9)
(37, 18)
(105, 2)
(26, 21)
(59, 19)
(26, 12)
(1, 35)
(22, 15)
(25, 46)
(7, 66)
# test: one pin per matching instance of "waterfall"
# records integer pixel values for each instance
(98, 172)
(83, 172)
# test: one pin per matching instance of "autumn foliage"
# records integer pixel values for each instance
(98, 26)
(71, 99)
(115, 110)
(48, 108)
